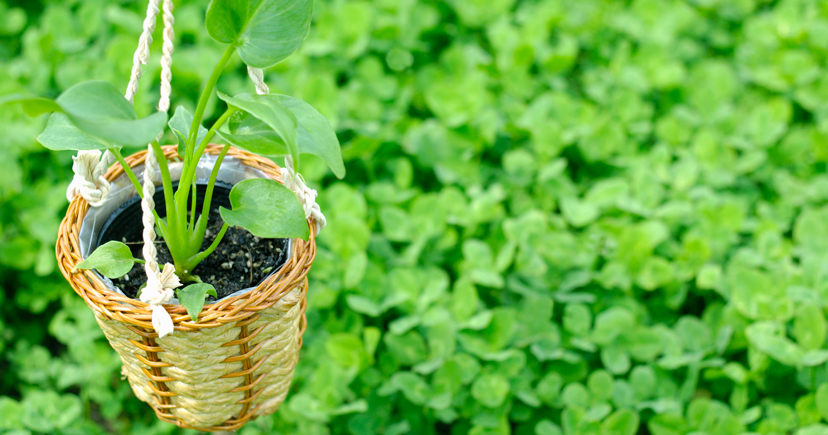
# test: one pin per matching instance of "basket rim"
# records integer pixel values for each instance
(114, 306)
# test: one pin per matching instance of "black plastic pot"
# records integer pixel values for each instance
(125, 224)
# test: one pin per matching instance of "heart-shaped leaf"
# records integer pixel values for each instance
(192, 297)
(267, 209)
(274, 114)
(315, 134)
(264, 31)
(33, 106)
(112, 259)
(60, 134)
(180, 124)
(99, 109)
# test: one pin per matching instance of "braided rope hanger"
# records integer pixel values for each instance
(90, 166)
(160, 285)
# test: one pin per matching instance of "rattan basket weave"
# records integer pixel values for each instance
(235, 363)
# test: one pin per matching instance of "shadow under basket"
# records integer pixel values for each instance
(232, 365)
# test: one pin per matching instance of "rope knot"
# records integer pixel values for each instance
(159, 291)
(89, 182)
(307, 196)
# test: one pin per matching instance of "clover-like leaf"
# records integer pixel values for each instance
(264, 31)
(267, 209)
(99, 109)
(112, 259)
(315, 134)
(192, 297)
(274, 114)
(180, 124)
(621, 422)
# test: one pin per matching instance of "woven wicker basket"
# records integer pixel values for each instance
(235, 363)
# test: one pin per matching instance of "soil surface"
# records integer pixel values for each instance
(241, 260)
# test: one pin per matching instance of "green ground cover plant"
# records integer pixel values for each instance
(569, 217)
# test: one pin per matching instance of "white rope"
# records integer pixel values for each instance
(166, 57)
(307, 196)
(159, 289)
(257, 76)
(89, 182)
(142, 53)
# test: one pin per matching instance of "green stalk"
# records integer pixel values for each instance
(208, 197)
(166, 180)
(131, 175)
(193, 209)
(205, 96)
(204, 254)
(189, 174)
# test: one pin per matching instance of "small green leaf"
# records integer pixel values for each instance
(269, 110)
(112, 259)
(180, 124)
(99, 109)
(264, 31)
(809, 327)
(60, 135)
(267, 209)
(346, 350)
(767, 337)
(575, 394)
(192, 297)
(490, 389)
(33, 106)
(822, 400)
(621, 422)
(10, 413)
(547, 427)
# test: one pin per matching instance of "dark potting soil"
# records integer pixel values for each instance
(241, 260)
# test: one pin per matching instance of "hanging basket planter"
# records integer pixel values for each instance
(235, 362)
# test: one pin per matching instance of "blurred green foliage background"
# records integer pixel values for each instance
(560, 217)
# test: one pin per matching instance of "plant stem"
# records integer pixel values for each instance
(189, 174)
(208, 195)
(203, 254)
(193, 209)
(169, 202)
(205, 96)
(131, 175)
(212, 132)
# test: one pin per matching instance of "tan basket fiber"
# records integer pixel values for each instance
(235, 363)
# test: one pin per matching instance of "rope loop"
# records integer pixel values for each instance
(89, 182)
(307, 196)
